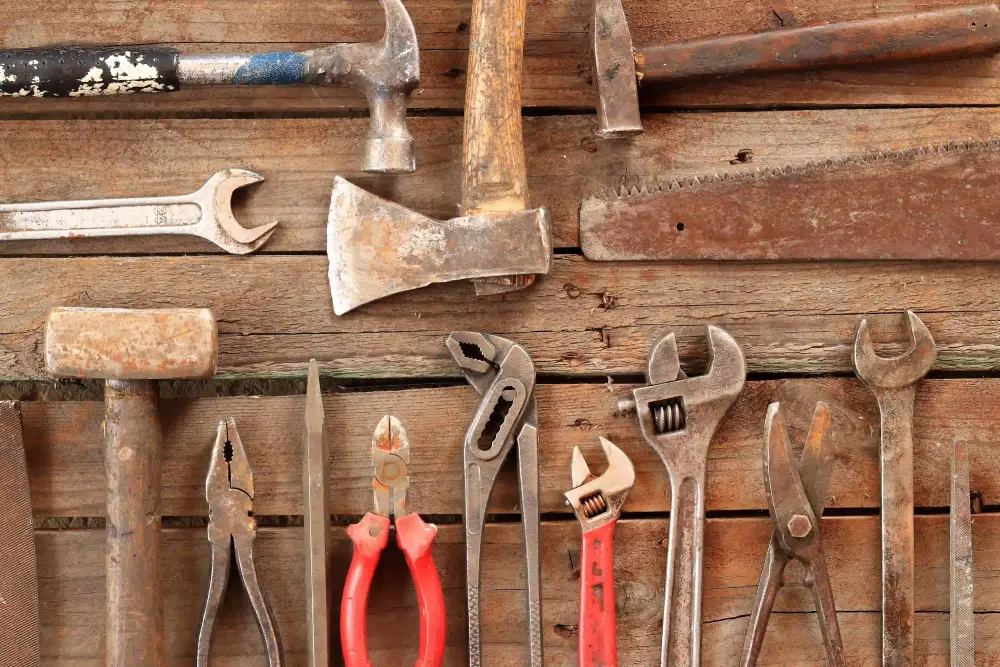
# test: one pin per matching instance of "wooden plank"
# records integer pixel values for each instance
(65, 457)
(71, 583)
(557, 65)
(584, 319)
(298, 158)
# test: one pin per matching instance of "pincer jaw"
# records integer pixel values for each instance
(899, 371)
(598, 501)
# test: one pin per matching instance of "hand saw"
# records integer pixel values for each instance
(19, 621)
(933, 203)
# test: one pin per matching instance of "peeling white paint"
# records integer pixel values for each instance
(4, 77)
(95, 74)
(33, 63)
(124, 68)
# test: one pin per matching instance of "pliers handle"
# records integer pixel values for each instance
(414, 537)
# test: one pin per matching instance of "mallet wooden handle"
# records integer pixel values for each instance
(940, 33)
(493, 175)
(132, 463)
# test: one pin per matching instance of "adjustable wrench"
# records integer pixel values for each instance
(678, 417)
(894, 383)
(206, 213)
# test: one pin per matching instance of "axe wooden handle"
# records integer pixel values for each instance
(940, 33)
(493, 175)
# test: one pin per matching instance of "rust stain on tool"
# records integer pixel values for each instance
(915, 204)
(619, 68)
(124, 344)
(19, 621)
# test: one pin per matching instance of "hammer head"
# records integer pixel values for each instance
(614, 71)
(112, 343)
(378, 248)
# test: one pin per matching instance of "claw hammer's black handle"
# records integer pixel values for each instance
(87, 70)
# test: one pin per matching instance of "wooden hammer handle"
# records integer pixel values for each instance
(132, 463)
(940, 33)
(493, 175)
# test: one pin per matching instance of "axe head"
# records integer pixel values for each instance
(614, 71)
(377, 248)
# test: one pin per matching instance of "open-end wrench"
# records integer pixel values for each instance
(894, 383)
(678, 416)
(206, 213)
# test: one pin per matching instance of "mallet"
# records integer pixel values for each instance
(130, 349)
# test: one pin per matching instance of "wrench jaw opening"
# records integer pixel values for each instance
(218, 224)
(597, 501)
(899, 371)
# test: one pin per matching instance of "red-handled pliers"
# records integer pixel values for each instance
(390, 456)
(597, 503)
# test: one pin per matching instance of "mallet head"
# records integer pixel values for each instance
(114, 343)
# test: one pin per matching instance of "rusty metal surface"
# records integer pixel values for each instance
(962, 620)
(206, 213)
(316, 506)
(614, 73)
(125, 344)
(378, 248)
(19, 621)
(893, 381)
(940, 33)
(912, 204)
(678, 416)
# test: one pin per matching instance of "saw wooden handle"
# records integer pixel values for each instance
(941, 33)
(493, 174)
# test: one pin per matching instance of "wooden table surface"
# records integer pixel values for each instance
(588, 327)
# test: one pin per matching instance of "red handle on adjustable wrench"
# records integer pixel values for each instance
(414, 538)
(370, 536)
(598, 641)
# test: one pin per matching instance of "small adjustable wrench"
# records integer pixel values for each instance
(206, 213)
(678, 417)
(597, 503)
(894, 383)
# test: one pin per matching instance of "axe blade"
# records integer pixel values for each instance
(378, 248)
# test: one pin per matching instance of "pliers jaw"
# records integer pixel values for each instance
(229, 487)
(599, 500)
(390, 458)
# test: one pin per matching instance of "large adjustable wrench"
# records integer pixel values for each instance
(894, 383)
(678, 417)
(206, 213)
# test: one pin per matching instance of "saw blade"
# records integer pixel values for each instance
(927, 203)
(19, 620)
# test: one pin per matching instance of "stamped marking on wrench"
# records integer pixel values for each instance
(893, 381)
(206, 213)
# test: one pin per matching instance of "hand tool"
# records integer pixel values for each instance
(912, 204)
(19, 620)
(390, 484)
(503, 374)
(130, 349)
(893, 381)
(796, 496)
(378, 248)
(232, 528)
(597, 503)
(678, 416)
(206, 213)
(619, 68)
(385, 71)
(316, 505)
(962, 618)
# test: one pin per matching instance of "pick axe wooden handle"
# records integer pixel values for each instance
(493, 175)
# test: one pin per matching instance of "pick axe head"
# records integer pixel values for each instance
(377, 248)
(614, 71)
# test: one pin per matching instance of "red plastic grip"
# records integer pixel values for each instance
(370, 537)
(414, 538)
(598, 641)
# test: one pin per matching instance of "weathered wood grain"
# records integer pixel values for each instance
(299, 157)
(557, 65)
(584, 319)
(67, 471)
(71, 583)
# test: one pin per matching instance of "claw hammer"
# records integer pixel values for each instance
(130, 349)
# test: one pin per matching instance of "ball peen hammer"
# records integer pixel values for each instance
(385, 71)
(619, 69)
(378, 248)
(130, 349)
